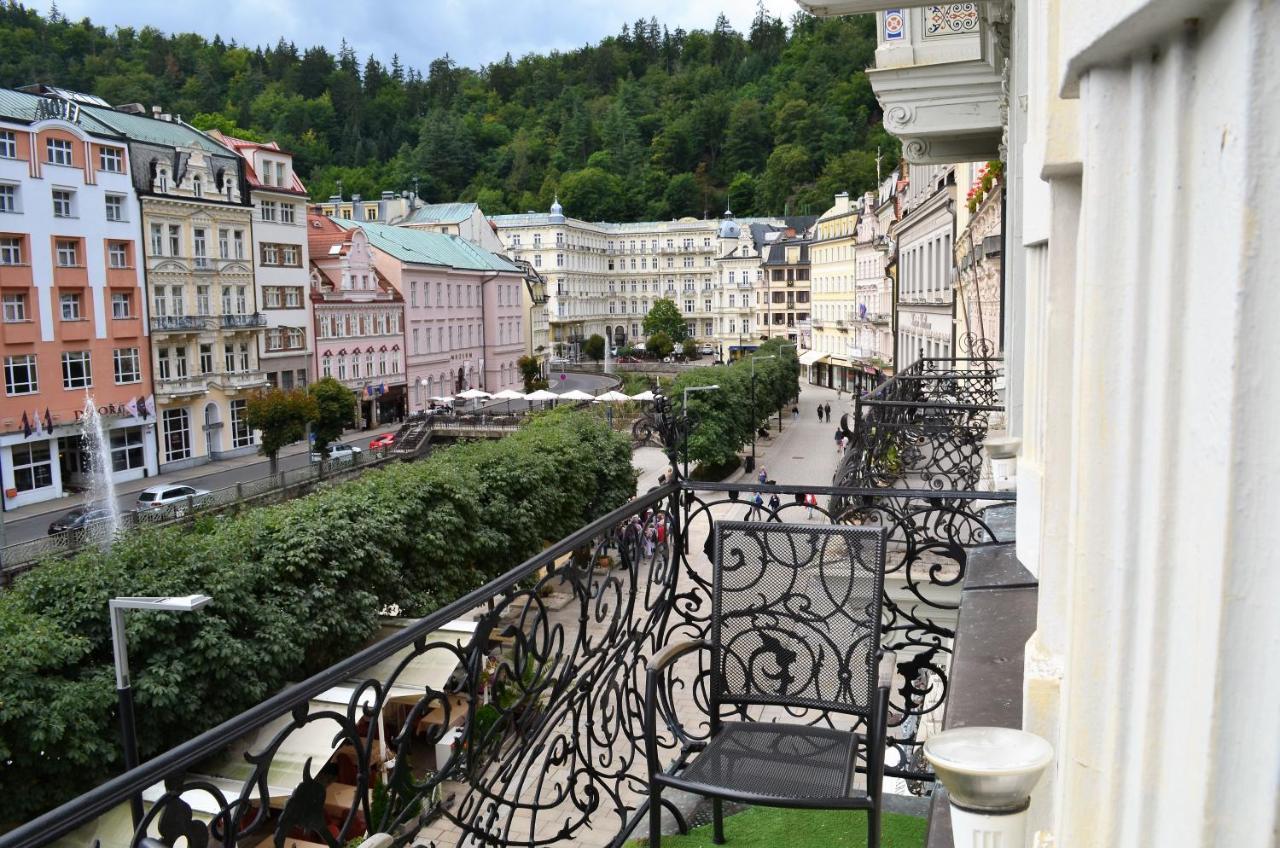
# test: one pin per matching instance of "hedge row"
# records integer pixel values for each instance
(724, 418)
(295, 586)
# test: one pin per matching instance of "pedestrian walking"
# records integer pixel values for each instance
(795, 413)
(839, 442)
(757, 506)
(828, 411)
(811, 500)
(762, 476)
(774, 503)
(819, 413)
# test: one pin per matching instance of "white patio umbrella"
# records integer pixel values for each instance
(576, 394)
(474, 394)
(542, 394)
(646, 395)
(613, 396)
(509, 394)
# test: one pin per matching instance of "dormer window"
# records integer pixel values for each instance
(162, 180)
(197, 186)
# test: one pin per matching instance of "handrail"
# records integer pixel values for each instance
(79, 811)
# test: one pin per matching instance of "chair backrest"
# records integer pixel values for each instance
(795, 615)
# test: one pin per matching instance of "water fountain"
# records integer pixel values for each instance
(102, 487)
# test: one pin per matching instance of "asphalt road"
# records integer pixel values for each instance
(22, 529)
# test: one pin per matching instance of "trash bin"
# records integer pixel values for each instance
(751, 464)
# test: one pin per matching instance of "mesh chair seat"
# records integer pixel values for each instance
(777, 763)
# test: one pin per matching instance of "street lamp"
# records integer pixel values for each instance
(754, 425)
(124, 692)
(686, 418)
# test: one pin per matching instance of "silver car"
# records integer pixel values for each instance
(174, 496)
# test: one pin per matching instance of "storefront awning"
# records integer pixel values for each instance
(812, 357)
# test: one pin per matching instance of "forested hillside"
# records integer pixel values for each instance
(649, 123)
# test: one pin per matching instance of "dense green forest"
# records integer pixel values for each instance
(650, 123)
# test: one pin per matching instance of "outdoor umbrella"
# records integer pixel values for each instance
(643, 396)
(509, 394)
(474, 394)
(542, 394)
(613, 396)
(576, 394)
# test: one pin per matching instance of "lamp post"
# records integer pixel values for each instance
(754, 425)
(124, 691)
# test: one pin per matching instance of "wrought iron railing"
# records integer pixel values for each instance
(547, 691)
(924, 427)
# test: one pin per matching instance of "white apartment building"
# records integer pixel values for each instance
(738, 271)
(924, 237)
(604, 277)
(279, 222)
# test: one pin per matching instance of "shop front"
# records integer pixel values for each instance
(381, 403)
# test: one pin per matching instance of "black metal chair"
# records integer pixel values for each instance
(795, 623)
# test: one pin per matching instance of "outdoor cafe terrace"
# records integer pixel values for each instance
(515, 715)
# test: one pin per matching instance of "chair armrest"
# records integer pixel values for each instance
(888, 665)
(674, 651)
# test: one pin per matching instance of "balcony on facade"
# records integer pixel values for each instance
(239, 380)
(554, 761)
(177, 387)
(181, 323)
(938, 77)
(244, 321)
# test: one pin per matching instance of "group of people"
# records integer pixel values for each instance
(756, 512)
(824, 412)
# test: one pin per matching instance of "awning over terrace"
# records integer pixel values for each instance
(812, 357)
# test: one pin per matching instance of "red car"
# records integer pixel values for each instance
(386, 440)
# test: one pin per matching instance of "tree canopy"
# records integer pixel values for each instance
(650, 123)
(665, 318)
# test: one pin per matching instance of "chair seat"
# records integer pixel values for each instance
(777, 764)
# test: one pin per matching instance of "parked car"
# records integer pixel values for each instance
(78, 519)
(386, 440)
(337, 453)
(706, 350)
(173, 495)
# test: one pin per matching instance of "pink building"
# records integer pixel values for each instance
(359, 320)
(463, 314)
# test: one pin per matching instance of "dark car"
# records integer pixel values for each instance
(78, 519)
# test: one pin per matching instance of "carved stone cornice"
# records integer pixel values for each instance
(944, 112)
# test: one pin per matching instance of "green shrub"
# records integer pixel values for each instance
(296, 587)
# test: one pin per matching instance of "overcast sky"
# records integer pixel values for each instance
(473, 32)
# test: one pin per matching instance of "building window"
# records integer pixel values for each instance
(274, 339)
(162, 180)
(229, 358)
(175, 240)
(295, 338)
(202, 300)
(244, 356)
(118, 254)
(127, 367)
(20, 374)
(8, 198)
(69, 306)
(115, 207)
(223, 246)
(62, 203)
(237, 238)
(111, 159)
(197, 186)
(57, 151)
(200, 247)
(177, 434)
(271, 297)
(121, 304)
(68, 253)
(289, 255)
(206, 359)
(293, 298)
(241, 435)
(77, 370)
(157, 240)
(267, 210)
(15, 308)
(270, 255)
(326, 366)
(8, 144)
(126, 449)
(286, 213)
(32, 466)
(10, 251)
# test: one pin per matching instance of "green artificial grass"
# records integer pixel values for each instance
(767, 827)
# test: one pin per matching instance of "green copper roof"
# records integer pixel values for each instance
(21, 106)
(444, 213)
(154, 131)
(426, 248)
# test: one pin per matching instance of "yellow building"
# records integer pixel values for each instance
(834, 294)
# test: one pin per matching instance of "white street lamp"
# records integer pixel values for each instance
(124, 691)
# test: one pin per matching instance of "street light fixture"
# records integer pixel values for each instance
(124, 691)
(754, 425)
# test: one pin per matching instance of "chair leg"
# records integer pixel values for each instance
(717, 819)
(873, 827)
(655, 816)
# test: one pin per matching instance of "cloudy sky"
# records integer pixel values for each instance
(473, 32)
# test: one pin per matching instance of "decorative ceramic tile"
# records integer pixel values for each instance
(950, 19)
(895, 25)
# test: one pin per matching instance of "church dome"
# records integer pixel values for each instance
(729, 228)
(557, 211)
